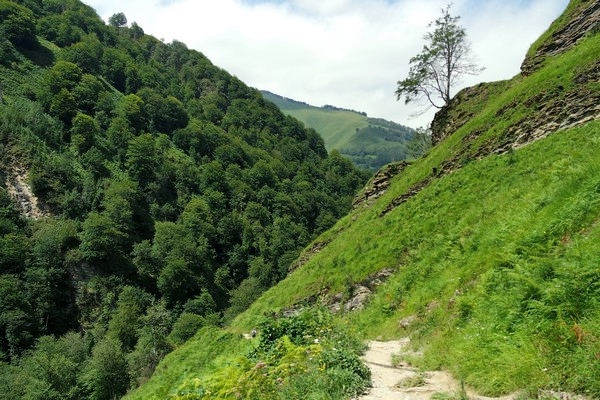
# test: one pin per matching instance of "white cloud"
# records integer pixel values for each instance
(347, 53)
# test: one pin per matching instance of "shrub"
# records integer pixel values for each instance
(297, 357)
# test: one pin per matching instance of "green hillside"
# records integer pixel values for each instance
(488, 249)
(145, 193)
(369, 142)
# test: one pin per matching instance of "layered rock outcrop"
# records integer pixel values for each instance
(583, 20)
(378, 184)
(463, 106)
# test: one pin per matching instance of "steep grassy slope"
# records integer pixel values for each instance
(491, 242)
(369, 142)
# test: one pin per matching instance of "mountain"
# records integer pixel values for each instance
(369, 142)
(144, 193)
(485, 253)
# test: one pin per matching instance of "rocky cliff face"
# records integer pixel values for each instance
(557, 110)
(583, 20)
(571, 108)
(533, 114)
(19, 190)
(463, 106)
(378, 184)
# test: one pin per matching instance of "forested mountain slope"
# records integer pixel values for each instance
(144, 193)
(369, 142)
(485, 252)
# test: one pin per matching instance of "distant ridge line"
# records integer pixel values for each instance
(325, 107)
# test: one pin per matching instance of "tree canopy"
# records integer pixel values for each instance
(117, 20)
(445, 57)
(175, 194)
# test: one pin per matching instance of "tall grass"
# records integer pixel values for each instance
(306, 356)
(497, 262)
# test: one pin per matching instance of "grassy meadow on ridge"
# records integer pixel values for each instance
(369, 142)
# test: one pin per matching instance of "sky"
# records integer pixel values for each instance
(346, 53)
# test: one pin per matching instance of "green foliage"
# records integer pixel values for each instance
(439, 66)
(86, 53)
(117, 20)
(125, 321)
(14, 249)
(114, 67)
(105, 374)
(100, 237)
(165, 114)
(136, 31)
(184, 328)
(56, 364)
(369, 143)
(131, 107)
(51, 370)
(17, 323)
(58, 29)
(244, 295)
(7, 51)
(153, 164)
(202, 305)
(303, 356)
(84, 130)
(63, 106)
(10, 219)
(17, 23)
(141, 159)
(153, 343)
(177, 281)
(63, 75)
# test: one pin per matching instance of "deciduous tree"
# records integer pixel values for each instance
(420, 143)
(117, 20)
(445, 57)
(18, 23)
(106, 373)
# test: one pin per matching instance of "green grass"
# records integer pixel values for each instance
(412, 381)
(555, 26)
(498, 260)
(369, 142)
(209, 350)
(296, 357)
(336, 127)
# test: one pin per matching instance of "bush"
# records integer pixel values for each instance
(106, 373)
(18, 23)
(184, 328)
(297, 357)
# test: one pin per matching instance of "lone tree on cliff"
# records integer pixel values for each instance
(444, 58)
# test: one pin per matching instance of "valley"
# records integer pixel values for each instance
(155, 210)
(370, 143)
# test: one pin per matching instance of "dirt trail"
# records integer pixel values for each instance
(387, 379)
